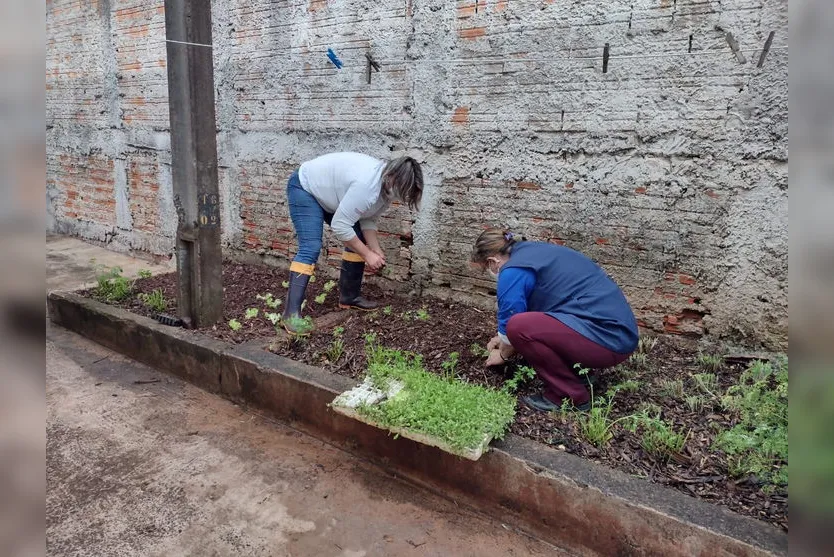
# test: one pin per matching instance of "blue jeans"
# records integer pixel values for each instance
(308, 218)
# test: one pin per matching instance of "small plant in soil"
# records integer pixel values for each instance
(337, 347)
(458, 413)
(596, 425)
(111, 285)
(711, 362)
(422, 314)
(638, 360)
(313, 279)
(320, 298)
(649, 409)
(329, 285)
(251, 313)
(659, 438)
(235, 325)
(758, 444)
(273, 318)
(646, 344)
(450, 366)
(154, 300)
(387, 310)
(521, 375)
(626, 386)
(695, 403)
(285, 284)
(145, 274)
(707, 383)
(672, 388)
(478, 350)
(302, 326)
(269, 300)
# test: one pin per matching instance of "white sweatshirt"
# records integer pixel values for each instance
(347, 185)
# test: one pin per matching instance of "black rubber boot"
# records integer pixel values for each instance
(292, 306)
(350, 286)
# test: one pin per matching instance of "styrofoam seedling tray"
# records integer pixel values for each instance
(366, 393)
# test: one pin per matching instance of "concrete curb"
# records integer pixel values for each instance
(576, 504)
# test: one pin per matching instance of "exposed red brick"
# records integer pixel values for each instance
(686, 279)
(466, 11)
(501, 5)
(640, 190)
(461, 115)
(569, 186)
(601, 241)
(528, 186)
(712, 194)
(472, 33)
(317, 5)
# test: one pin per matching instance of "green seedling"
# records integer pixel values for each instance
(629, 385)
(235, 325)
(646, 344)
(329, 285)
(706, 383)
(422, 314)
(650, 409)
(251, 313)
(313, 279)
(638, 360)
(521, 375)
(478, 350)
(450, 366)
(711, 362)
(338, 331)
(285, 284)
(660, 438)
(155, 300)
(695, 403)
(336, 349)
(112, 286)
(672, 388)
(387, 310)
(273, 318)
(145, 274)
(269, 300)
(320, 298)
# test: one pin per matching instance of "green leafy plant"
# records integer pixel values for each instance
(707, 383)
(626, 386)
(477, 350)
(596, 426)
(711, 362)
(638, 360)
(646, 344)
(450, 366)
(387, 310)
(758, 444)
(269, 300)
(285, 284)
(521, 375)
(312, 279)
(455, 412)
(112, 286)
(145, 274)
(320, 298)
(422, 314)
(659, 438)
(329, 285)
(273, 318)
(301, 325)
(251, 313)
(672, 388)
(650, 409)
(337, 347)
(695, 403)
(154, 300)
(235, 325)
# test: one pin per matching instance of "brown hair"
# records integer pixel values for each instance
(493, 242)
(404, 176)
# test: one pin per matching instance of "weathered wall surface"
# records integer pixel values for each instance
(670, 169)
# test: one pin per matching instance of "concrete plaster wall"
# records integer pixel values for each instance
(670, 169)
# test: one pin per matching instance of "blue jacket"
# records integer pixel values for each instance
(569, 286)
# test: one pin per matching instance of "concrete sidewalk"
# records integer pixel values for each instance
(141, 463)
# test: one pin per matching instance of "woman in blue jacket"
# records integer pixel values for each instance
(556, 308)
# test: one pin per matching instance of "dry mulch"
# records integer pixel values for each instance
(447, 327)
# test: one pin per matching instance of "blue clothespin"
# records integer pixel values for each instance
(334, 58)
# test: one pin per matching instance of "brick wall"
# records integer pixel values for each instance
(670, 169)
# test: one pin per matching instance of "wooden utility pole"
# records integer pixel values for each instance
(194, 160)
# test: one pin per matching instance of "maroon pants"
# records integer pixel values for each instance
(552, 348)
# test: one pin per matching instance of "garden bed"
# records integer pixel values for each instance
(662, 375)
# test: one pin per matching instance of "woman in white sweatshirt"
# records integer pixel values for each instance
(349, 191)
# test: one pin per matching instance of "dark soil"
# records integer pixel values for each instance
(447, 327)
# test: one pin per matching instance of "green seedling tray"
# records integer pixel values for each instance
(348, 402)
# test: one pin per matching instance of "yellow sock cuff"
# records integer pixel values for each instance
(352, 257)
(302, 268)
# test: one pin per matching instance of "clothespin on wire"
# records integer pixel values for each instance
(371, 63)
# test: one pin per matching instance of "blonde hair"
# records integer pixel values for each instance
(492, 242)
